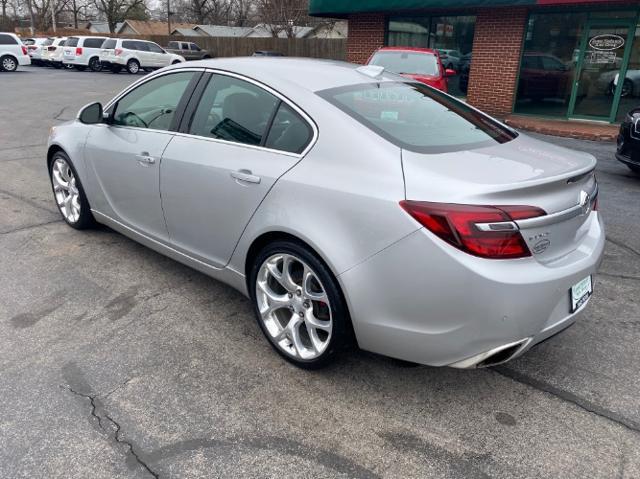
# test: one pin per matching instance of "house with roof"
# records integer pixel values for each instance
(141, 27)
(221, 31)
(99, 26)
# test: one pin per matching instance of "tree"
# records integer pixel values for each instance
(115, 11)
(283, 15)
(242, 12)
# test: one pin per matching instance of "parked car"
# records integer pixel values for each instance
(421, 64)
(608, 82)
(342, 199)
(82, 52)
(628, 151)
(450, 58)
(267, 53)
(545, 76)
(52, 55)
(36, 47)
(188, 50)
(12, 52)
(119, 53)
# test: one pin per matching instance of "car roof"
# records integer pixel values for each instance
(300, 73)
(408, 49)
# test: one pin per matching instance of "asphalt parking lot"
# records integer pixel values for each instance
(118, 362)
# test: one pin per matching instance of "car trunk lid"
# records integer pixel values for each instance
(523, 171)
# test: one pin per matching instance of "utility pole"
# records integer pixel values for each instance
(169, 17)
(53, 15)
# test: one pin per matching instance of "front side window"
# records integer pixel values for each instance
(153, 48)
(407, 62)
(418, 118)
(195, 47)
(153, 104)
(234, 110)
(142, 46)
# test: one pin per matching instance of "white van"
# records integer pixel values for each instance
(82, 52)
(119, 53)
(12, 52)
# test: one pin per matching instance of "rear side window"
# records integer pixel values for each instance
(407, 62)
(109, 44)
(142, 46)
(152, 104)
(173, 45)
(62, 42)
(93, 42)
(7, 40)
(234, 110)
(72, 41)
(418, 118)
(184, 46)
(289, 132)
(130, 45)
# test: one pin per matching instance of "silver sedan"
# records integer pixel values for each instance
(347, 203)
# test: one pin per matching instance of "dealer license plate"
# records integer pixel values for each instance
(580, 293)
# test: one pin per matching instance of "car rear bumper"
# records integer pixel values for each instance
(424, 301)
(24, 60)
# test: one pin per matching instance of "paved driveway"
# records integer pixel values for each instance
(118, 362)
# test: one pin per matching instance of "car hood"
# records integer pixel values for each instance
(497, 173)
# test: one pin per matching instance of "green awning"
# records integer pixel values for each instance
(339, 8)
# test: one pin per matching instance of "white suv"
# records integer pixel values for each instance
(83, 52)
(119, 53)
(12, 52)
(36, 47)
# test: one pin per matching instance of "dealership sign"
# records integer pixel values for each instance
(606, 42)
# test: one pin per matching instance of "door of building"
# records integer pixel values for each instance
(601, 60)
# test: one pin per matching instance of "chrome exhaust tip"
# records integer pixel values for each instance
(495, 356)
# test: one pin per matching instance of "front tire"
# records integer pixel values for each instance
(8, 63)
(68, 193)
(635, 169)
(298, 304)
(133, 66)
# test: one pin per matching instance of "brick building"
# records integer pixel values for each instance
(557, 59)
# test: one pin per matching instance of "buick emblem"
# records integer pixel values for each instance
(585, 202)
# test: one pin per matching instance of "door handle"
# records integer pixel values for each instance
(245, 176)
(145, 158)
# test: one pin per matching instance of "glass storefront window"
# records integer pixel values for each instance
(549, 60)
(451, 35)
(630, 95)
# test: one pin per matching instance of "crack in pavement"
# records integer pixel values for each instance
(57, 115)
(28, 227)
(111, 427)
(624, 246)
(9, 148)
(620, 276)
(569, 397)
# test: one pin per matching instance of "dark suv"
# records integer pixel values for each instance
(629, 141)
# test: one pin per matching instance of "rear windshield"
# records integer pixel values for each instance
(72, 42)
(48, 41)
(109, 44)
(418, 118)
(28, 41)
(407, 62)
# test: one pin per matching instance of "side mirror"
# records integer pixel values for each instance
(450, 72)
(91, 114)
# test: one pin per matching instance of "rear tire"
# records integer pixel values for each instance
(69, 193)
(115, 68)
(133, 66)
(635, 169)
(8, 64)
(95, 65)
(58, 66)
(307, 321)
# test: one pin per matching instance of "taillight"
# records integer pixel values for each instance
(118, 52)
(24, 50)
(485, 231)
(78, 51)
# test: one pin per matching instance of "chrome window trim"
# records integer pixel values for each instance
(280, 96)
(498, 227)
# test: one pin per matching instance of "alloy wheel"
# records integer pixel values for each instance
(66, 191)
(133, 67)
(294, 306)
(9, 64)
